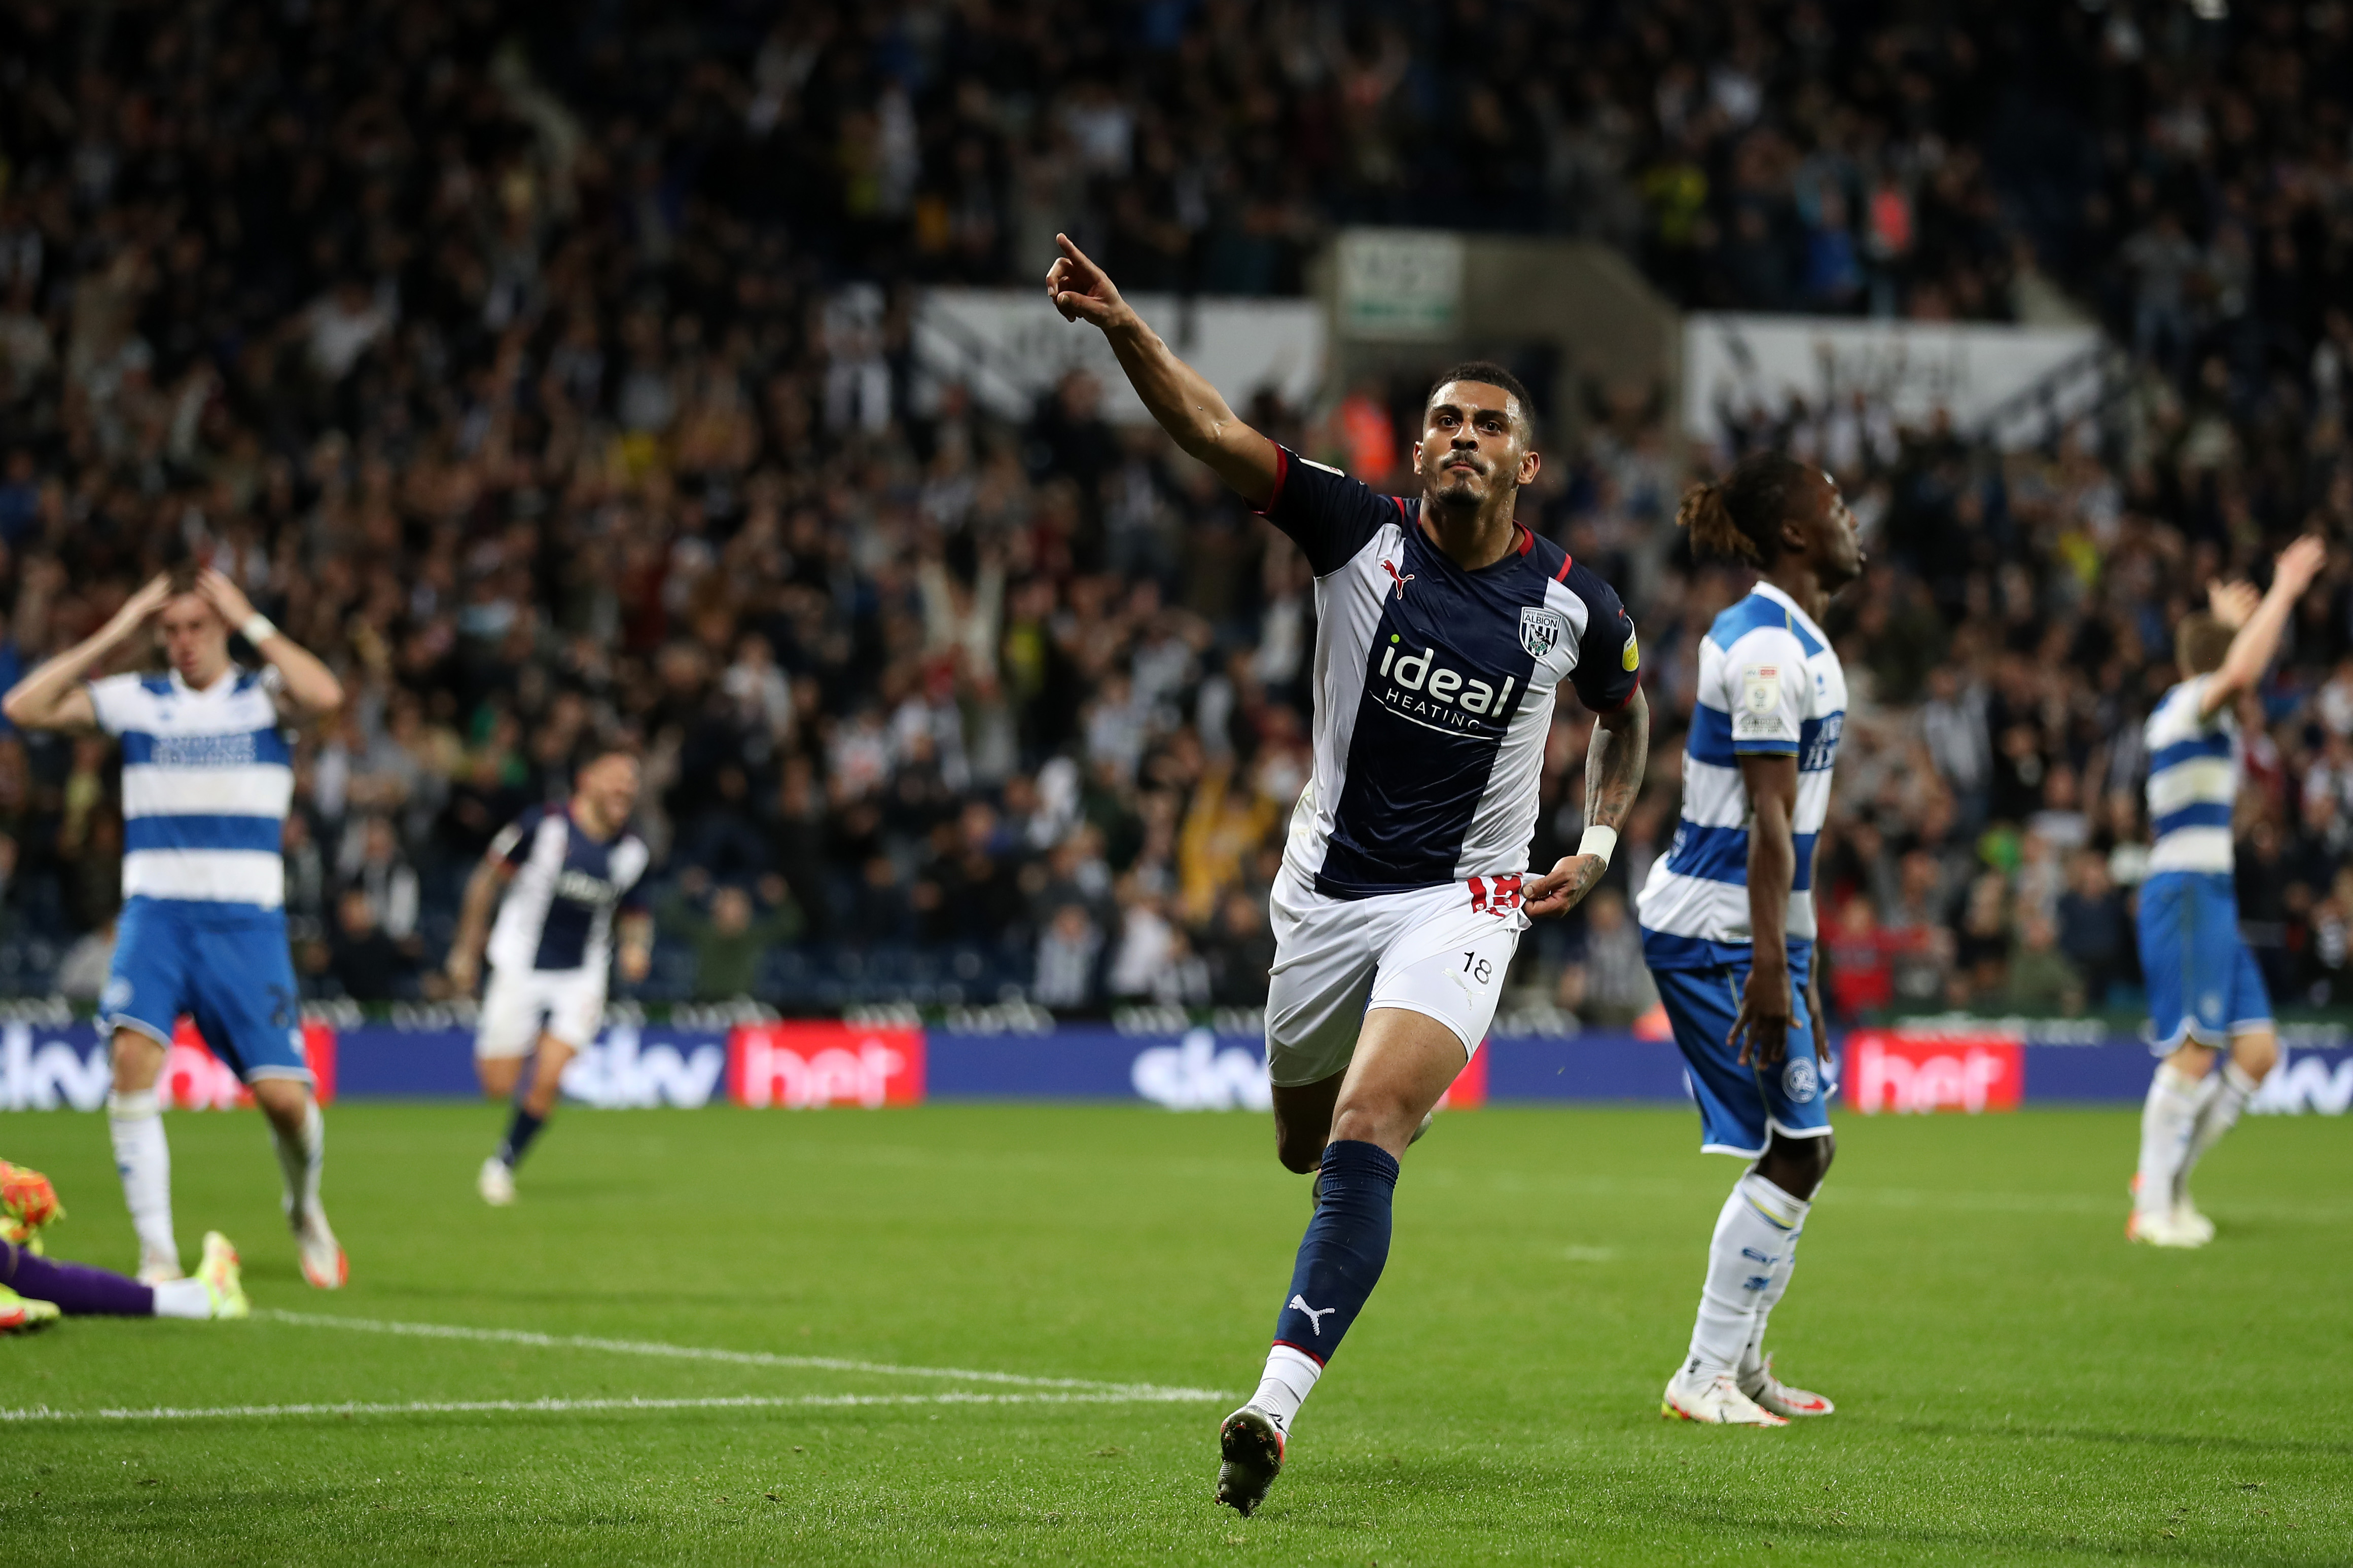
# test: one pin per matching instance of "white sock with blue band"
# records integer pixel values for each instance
(135, 1122)
(1747, 1262)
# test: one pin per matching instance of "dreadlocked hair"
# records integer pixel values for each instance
(1739, 517)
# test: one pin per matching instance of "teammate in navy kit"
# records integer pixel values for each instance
(566, 873)
(1443, 629)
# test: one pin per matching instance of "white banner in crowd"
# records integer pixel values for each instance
(1010, 346)
(1741, 364)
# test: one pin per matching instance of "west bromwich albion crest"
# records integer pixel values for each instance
(1540, 630)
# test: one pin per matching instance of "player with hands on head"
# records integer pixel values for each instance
(564, 880)
(1728, 914)
(2206, 995)
(1444, 633)
(207, 778)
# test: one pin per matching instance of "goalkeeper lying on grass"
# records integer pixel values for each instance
(34, 1290)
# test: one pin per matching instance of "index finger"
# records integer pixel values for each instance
(1077, 258)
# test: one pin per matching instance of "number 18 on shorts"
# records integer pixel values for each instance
(1440, 951)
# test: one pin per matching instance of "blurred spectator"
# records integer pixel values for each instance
(82, 973)
(2040, 981)
(380, 872)
(1067, 953)
(733, 936)
(1241, 951)
(1610, 984)
(2094, 934)
(364, 961)
(1862, 973)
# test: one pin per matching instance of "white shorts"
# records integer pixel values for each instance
(572, 1001)
(1440, 951)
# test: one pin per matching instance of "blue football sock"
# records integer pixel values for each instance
(1341, 1257)
(520, 1132)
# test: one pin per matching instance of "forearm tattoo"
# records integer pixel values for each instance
(1614, 762)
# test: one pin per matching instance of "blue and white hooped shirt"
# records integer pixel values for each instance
(2193, 782)
(1768, 685)
(207, 777)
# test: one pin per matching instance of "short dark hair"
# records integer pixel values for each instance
(2200, 643)
(1739, 517)
(595, 752)
(1492, 375)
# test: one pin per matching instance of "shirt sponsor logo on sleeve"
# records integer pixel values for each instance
(1759, 716)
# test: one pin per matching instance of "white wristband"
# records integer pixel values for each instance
(257, 627)
(1599, 841)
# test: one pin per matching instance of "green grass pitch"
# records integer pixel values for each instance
(2015, 1383)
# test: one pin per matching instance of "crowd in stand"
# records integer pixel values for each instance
(528, 366)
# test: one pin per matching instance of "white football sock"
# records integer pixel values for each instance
(302, 1161)
(1752, 1355)
(2232, 1088)
(1749, 1249)
(1290, 1374)
(144, 1160)
(2167, 1120)
(184, 1298)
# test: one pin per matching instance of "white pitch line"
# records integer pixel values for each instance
(565, 1406)
(1143, 1390)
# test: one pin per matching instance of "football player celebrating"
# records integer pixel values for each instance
(2205, 997)
(207, 777)
(1727, 915)
(564, 874)
(1443, 631)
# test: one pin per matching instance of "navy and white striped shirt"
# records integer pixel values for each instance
(1434, 688)
(558, 911)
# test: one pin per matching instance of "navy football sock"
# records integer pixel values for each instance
(520, 1132)
(1343, 1251)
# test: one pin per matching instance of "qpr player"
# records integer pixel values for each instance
(568, 874)
(2205, 997)
(1443, 631)
(1727, 915)
(207, 777)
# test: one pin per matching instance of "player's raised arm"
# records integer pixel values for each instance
(1193, 412)
(53, 697)
(2257, 628)
(310, 687)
